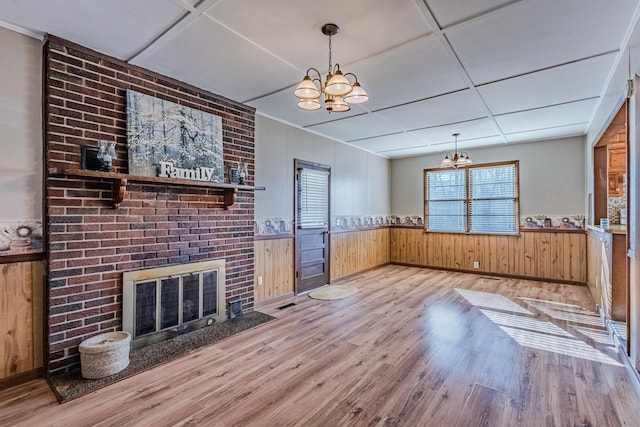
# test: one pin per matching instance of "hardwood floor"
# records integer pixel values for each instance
(415, 347)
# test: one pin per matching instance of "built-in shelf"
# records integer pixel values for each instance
(120, 181)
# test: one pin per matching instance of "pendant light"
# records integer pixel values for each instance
(457, 160)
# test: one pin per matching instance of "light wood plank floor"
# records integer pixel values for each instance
(415, 347)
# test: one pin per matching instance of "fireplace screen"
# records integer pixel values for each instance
(163, 302)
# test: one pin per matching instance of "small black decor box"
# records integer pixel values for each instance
(234, 176)
(89, 158)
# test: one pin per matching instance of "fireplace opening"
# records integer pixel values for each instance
(161, 303)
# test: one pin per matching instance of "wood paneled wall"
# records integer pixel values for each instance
(607, 272)
(598, 271)
(355, 251)
(350, 252)
(21, 317)
(539, 255)
(557, 256)
(274, 262)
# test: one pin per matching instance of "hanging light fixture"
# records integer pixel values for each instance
(338, 91)
(457, 160)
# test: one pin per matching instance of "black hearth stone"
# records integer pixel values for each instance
(71, 385)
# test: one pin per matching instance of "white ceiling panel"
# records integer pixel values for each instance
(549, 117)
(291, 30)
(470, 144)
(356, 127)
(449, 12)
(186, 3)
(416, 70)
(478, 128)
(532, 35)
(440, 110)
(389, 142)
(226, 66)
(118, 28)
(551, 133)
(443, 147)
(577, 80)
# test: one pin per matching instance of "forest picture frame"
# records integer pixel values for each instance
(172, 140)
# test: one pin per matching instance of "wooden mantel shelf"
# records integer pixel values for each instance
(120, 181)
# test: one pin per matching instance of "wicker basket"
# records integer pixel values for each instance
(105, 354)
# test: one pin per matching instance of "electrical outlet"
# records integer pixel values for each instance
(476, 264)
(259, 280)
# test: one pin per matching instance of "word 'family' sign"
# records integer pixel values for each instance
(168, 170)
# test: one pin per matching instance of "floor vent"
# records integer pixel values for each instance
(291, 304)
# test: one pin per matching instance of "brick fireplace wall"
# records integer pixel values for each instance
(89, 242)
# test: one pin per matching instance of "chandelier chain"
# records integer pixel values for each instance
(329, 72)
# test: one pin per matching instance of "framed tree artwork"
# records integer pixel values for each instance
(171, 140)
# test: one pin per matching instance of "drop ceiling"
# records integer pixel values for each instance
(496, 71)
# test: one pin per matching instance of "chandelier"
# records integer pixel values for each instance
(458, 160)
(337, 90)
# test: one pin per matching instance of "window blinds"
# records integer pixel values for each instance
(446, 200)
(313, 198)
(492, 194)
(478, 199)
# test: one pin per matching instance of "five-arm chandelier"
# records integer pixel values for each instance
(456, 160)
(338, 91)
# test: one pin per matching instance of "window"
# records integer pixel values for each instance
(475, 199)
(313, 198)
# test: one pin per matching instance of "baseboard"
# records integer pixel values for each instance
(335, 280)
(22, 378)
(490, 273)
(285, 298)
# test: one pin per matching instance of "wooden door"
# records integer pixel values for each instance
(312, 184)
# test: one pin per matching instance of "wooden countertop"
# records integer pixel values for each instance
(612, 229)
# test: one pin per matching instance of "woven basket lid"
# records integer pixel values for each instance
(105, 342)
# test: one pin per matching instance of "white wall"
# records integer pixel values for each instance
(552, 176)
(360, 181)
(20, 126)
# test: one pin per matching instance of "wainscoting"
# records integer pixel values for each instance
(351, 252)
(356, 251)
(274, 260)
(21, 321)
(538, 255)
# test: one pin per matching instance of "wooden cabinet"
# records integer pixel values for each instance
(617, 154)
(606, 271)
(615, 185)
(616, 168)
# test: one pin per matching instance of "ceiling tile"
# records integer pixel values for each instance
(395, 141)
(552, 133)
(291, 30)
(415, 70)
(547, 118)
(532, 35)
(440, 110)
(448, 12)
(471, 129)
(226, 67)
(570, 82)
(118, 28)
(356, 127)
